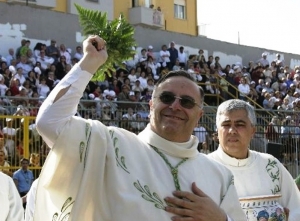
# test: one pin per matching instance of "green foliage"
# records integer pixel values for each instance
(117, 33)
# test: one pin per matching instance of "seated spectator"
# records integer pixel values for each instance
(204, 148)
(23, 64)
(4, 163)
(137, 86)
(61, 65)
(79, 54)
(138, 124)
(44, 60)
(43, 88)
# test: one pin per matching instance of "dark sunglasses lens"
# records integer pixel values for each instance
(187, 103)
(167, 98)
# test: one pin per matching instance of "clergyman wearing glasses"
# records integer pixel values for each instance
(95, 172)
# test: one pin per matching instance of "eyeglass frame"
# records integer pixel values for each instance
(184, 97)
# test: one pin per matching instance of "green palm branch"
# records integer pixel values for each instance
(117, 33)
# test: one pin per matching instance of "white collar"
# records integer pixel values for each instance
(227, 160)
(187, 149)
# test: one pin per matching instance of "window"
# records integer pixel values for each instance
(179, 9)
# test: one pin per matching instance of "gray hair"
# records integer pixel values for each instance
(233, 105)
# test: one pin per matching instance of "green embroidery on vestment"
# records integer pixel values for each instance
(174, 170)
(273, 171)
(151, 197)
(84, 144)
(63, 216)
(119, 159)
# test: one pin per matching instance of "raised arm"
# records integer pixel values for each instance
(61, 104)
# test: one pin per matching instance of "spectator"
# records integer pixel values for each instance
(143, 56)
(78, 55)
(63, 52)
(9, 135)
(182, 57)
(173, 55)
(263, 61)
(202, 135)
(44, 61)
(52, 51)
(165, 57)
(204, 148)
(43, 88)
(272, 131)
(3, 162)
(23, 178)
(244, 89)
(23, 64)
(10, 56)
(150, 53)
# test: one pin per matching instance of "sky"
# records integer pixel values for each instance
(269, 24)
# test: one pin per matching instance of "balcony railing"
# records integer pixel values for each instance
(146, 17)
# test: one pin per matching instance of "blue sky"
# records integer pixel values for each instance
(270, 24)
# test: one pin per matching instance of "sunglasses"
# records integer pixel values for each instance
(185, 101)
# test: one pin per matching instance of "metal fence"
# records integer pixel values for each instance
(20, 137)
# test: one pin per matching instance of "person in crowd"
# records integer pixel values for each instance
(244, 89)
(3, 162)
(173, 55)
(64, 52)
(44, 60)
(10, 201)
(52, 51)
(23, 178)
(10, 56)
(9, 133)
(263, 60)
(182, 57)
(202, 135)
(204, 148)
(273, 130)
(164, 149)
(78, 54)
(256, 174)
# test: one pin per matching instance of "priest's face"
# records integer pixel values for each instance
(235, 132)
(170, 118)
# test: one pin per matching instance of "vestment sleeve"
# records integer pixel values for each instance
(290, 194)
(52, 115)
(232, 206)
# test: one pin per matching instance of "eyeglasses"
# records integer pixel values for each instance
(185, 101)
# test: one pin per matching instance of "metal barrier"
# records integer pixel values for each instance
(22, 139)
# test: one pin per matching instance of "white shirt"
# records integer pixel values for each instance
(10, 200)
(164, 56)
(201, 133)
(3, 89)
(244, 89)
(182, 57)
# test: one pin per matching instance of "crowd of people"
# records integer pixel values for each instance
(110, 155)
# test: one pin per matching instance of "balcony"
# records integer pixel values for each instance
(146, 17)
(35, 3)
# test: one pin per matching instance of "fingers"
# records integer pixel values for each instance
(98, 42)
(197, 191)
(179, 202)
